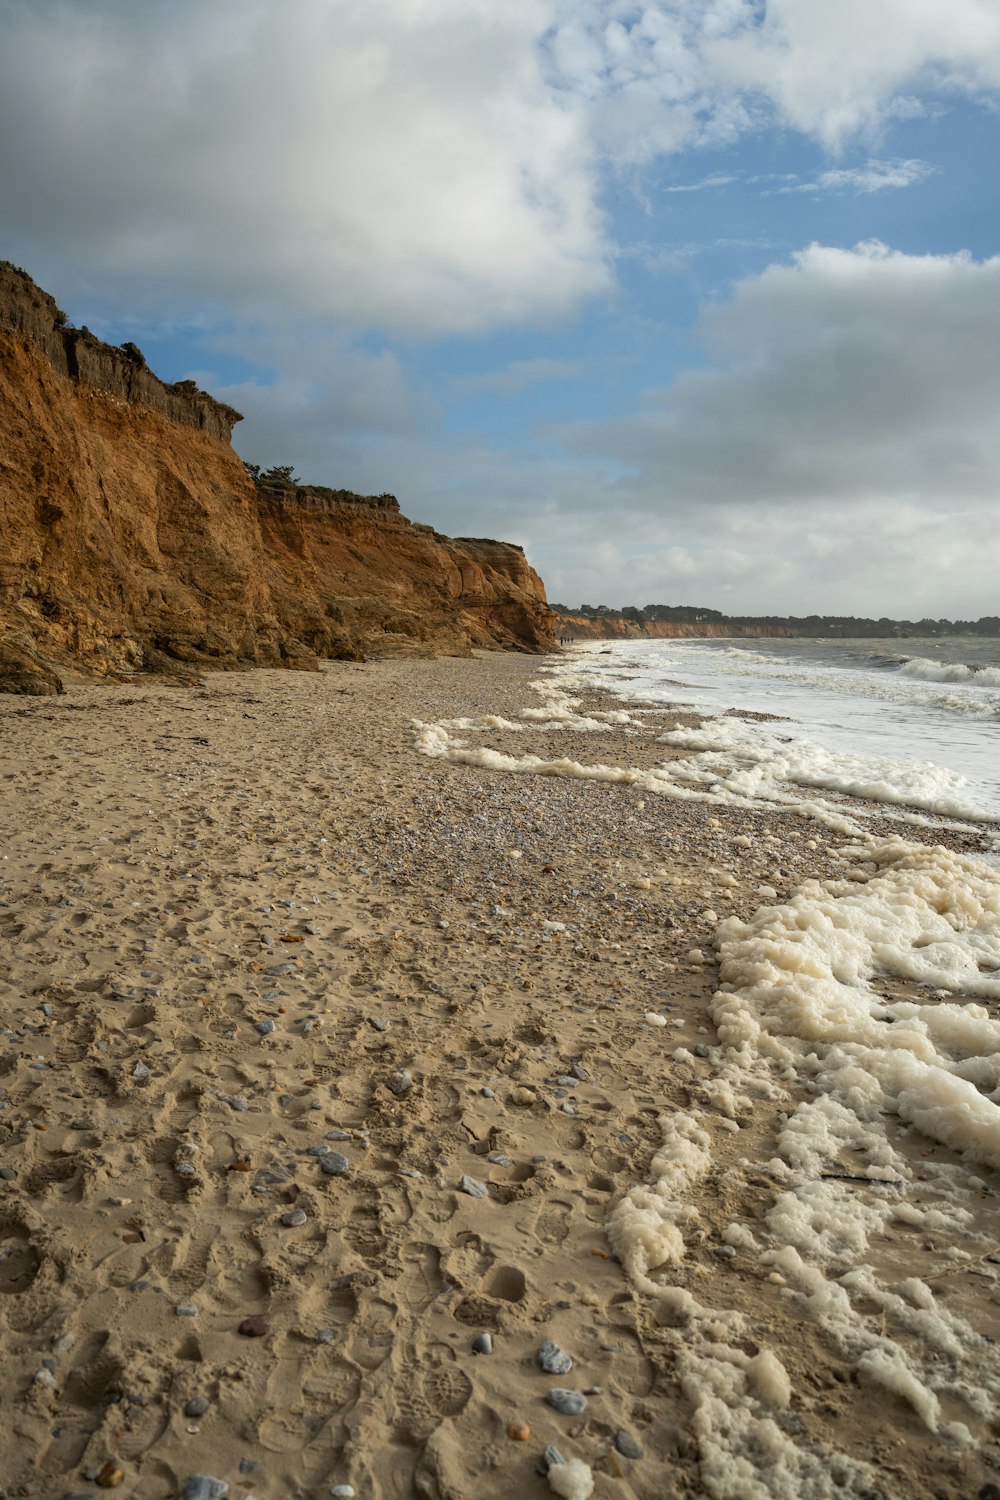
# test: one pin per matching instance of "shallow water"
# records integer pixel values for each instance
(913, 721)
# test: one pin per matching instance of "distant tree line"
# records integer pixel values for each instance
(808, 625)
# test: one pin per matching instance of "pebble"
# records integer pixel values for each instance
(334, 1165)
(482, 1343)
(473, 1187)
(185, 1310)
(627, 1445)
(500, 1159)
(409, 1172)
(338, 1135)
(204, 1487)
(293, 1218)
(109, 1476)
(553, 1360)
(400, 1083)
(197, 1406)
(344, 1491)
(519, 1432)
(254, 1328)
(568, 1403)
(184, 1168)
(141, 1072)
(523, 1096)
(265, 1027)
(700, 1050)
(381, 1024)
(551, 1457)
(326, 1336)
(725, 1252)
(487, 1093)
(46, 1378)
(7, 1174)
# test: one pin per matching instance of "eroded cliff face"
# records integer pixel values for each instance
(613, 627)
(131, 535)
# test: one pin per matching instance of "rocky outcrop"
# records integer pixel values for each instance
(120, 372)
(131, 535)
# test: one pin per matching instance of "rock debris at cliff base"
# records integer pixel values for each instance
(249, 930)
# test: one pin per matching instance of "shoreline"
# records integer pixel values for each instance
(470, 929)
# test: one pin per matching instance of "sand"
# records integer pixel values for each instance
(246, 925)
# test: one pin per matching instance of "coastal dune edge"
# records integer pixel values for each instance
(333, 1066)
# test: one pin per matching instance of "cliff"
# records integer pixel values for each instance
(131, 535)
(575, 627)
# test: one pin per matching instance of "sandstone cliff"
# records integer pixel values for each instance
(613, 627)
(131, 535)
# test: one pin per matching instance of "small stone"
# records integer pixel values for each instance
(141, 1072)
(185, 1310)
(293, 1218)
(700, 1050)
(568, 1403)
(473, 1187)
(725, 1252)
(266, 1026)
(553, 1360)
(551, 1457)
(344, 1491)
(46, 1378)
(197, 1406)
(204, 1487)
(254, 1328)
(482, 1343)
(568, 1109)
(7, 1174)
(627, 1445)
(338, 1135)
(519, 1432)
(249, 1465)
(184, 1168)
(500, 1159)
(487, 1093)
(326, 1336)
(110, 1476)
(381, 1024)
(400, 1083)
(334, 1165)
(523, 1096)
(580, 1073)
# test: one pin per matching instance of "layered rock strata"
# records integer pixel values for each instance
(132, 537)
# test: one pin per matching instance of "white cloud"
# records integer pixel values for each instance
(401, 164)
(844, 426)
(674, 73)
(428, 166)
(874, 177)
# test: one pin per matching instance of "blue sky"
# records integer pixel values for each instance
(698, 301)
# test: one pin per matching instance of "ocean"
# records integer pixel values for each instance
(911, 722)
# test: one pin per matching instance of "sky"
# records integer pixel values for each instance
(696, 300)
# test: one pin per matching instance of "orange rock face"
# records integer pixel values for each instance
(131, 536)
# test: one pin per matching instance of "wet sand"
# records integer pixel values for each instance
(245, 927)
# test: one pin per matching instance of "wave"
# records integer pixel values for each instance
(926, 670)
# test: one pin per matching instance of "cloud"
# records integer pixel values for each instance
(841, 436)
(873, 177)
(695, 72)
(398, 165)
(519, 375)
(716, 180)
(420, 168)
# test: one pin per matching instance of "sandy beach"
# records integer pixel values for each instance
(324, 1064)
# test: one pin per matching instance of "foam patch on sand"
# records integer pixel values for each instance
(685, 780)
(799, 1010)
